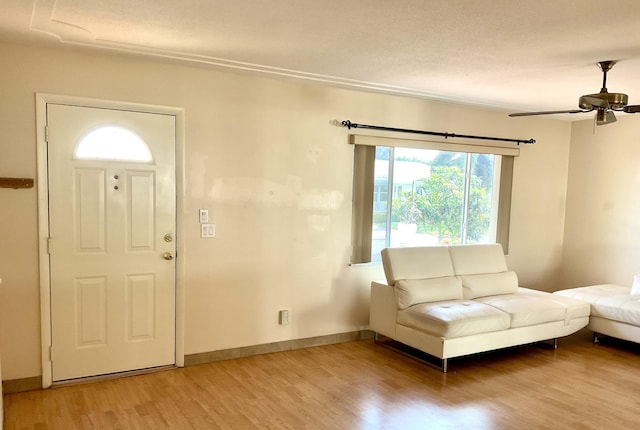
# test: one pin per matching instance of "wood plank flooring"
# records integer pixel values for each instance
(359, 385)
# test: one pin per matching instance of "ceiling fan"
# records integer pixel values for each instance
(604, 102)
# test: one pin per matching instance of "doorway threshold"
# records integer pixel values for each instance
(111, 376)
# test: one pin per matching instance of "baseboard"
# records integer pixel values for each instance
(35, 383)
(23, 384)
(267, 348)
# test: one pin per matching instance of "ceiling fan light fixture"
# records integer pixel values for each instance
(604, 117)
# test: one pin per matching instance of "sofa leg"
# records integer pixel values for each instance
(376, 337)
(555, 343)
(445, 365)
(596, 337)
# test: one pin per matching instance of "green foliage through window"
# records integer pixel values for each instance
(437, 197)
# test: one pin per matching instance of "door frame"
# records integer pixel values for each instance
(42, 99)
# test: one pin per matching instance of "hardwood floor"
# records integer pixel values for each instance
(359, 385)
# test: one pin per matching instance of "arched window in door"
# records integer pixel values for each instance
(113, 143)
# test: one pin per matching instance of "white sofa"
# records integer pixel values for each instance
(614, 310)
(449, 301)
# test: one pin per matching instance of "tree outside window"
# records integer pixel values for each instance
(449, 200)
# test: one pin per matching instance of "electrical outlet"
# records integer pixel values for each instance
(283, 317)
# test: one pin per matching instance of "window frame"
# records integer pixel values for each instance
(363, 185)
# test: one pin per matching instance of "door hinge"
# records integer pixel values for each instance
(46, 133)
(51, 353)
(48, 245)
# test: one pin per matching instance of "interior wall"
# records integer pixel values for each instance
(267, 159)
(602, 225)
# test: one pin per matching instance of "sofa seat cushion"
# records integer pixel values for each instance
(592, 293)
(574, 308)
(526, 309)
(454, 318)
(609, 301)
(410, 292)
(623, 308)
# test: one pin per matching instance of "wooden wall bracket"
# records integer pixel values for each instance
(16, 183)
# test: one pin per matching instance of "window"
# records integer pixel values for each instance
(427, 195)
(113, 143)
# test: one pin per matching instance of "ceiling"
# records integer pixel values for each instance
(508, 54)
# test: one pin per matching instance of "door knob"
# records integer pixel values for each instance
(168, 255)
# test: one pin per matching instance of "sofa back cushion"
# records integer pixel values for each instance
(410, 292)
(416, 263)
(475, 259)
(489, 284)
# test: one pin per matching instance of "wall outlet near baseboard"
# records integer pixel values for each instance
(283, 317)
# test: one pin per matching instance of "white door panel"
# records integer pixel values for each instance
(112, 292)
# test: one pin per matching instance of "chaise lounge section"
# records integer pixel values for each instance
(615, 311)
(450, 301)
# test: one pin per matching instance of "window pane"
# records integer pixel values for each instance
(412, 168)
(113, 143)
(437, 198)
(481, 211)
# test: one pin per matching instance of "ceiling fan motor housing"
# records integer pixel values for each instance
(615, 101)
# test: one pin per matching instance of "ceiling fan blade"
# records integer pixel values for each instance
(549, 112)
(631, 109)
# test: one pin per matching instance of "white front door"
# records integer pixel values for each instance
(112, 240)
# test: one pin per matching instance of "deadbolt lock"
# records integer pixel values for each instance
(168, 237)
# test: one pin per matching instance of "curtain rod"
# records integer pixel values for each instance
(351, 125)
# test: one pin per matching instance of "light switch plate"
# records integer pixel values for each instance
(208, 230)
(204, 216)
